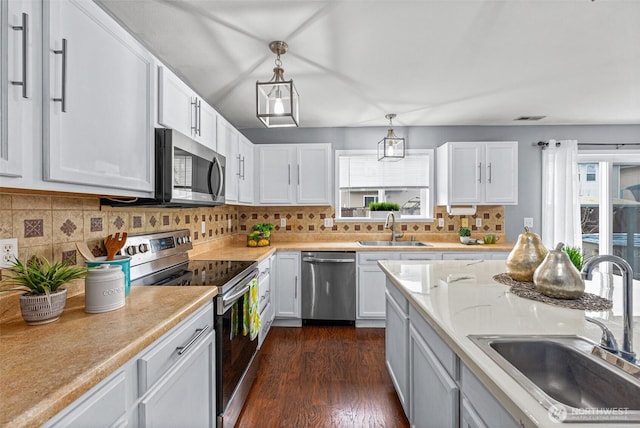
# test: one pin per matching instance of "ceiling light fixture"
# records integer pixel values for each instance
(391, 148)
(277, 100)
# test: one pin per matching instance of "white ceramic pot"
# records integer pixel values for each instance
(104, 289)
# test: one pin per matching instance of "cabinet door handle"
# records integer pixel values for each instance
(63, 96)
(199, 117)
(480, 172)
(194, 126)
(199, 332)
(295, 289)
(298, 175)
(289, 172)
(489, 173)
(242, 168)
(25, 35)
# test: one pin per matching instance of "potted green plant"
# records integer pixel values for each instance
(575, 255)
(260, 235)
(382, 209)
(465, 235)
(44, 298)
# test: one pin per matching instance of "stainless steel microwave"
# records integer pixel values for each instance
(187, 174)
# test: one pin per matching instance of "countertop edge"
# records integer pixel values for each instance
(51, 405)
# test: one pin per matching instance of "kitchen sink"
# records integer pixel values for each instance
(393, 244)
(569, 376)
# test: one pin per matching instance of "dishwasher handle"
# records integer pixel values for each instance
(317, 260)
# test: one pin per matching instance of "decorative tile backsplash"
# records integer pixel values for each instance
(51, 224)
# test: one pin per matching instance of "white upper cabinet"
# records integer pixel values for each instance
(228, 138)
(294, 174)
(98, 92)
(180, 108)
(246, 172)
(477, 173)
(20, 87)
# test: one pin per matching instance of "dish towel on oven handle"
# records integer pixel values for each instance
(251, 309)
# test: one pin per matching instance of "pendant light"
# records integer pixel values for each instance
(277, 99)
(391, 148)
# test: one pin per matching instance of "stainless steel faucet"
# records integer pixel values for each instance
(627, 299)
(394, 235)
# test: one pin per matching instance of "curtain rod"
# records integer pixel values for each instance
(544, 144)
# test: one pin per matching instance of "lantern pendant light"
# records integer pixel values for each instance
(277, 100)
(391, 147)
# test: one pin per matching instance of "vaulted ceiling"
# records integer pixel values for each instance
(433, 62)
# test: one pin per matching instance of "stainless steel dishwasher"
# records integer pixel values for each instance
(329, 286)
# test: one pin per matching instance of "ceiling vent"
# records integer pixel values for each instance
(529, 118)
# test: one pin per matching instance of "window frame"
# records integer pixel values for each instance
(432, 185)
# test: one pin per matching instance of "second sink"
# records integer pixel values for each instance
(563, 371)
(393, 244)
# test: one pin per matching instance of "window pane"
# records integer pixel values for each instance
(626, 214)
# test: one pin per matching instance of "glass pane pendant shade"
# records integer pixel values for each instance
(391, 147)
(277, 101)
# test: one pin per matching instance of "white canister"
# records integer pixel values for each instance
(104, 289)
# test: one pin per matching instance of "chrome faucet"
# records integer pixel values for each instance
(394, 235)
(627, 301)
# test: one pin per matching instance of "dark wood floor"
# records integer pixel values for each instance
(323, 376)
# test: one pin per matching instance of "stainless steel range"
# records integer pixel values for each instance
(162, 259)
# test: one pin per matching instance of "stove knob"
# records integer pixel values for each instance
(131, 250)
(179, 240)
(187, 239)
(143, 248)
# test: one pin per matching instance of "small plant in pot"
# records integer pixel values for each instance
(465, 235)
(45, 298)
(260, 235)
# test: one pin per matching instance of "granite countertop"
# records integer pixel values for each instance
(242, 252)
(45, 368)
(479, 305)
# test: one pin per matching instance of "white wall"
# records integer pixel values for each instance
(529, 154)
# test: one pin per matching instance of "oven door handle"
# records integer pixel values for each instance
(229, 300)
(317, 260)
(216, 193)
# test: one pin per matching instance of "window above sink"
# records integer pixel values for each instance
(362, 179)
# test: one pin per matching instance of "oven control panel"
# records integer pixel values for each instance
(150, 247)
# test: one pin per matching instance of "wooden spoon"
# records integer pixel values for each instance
(113, 244)
(85, 251)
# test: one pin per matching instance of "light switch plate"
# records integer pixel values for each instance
(478, 222)
(440, 222)
(328, 222)
(528, 222)
(229, 224)
(283, 222)
(464, 222)
(8, 251)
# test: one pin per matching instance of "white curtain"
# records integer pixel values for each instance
(560, 199)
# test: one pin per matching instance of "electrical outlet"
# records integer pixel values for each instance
(328, 222)
(229, 224)
(283, 222)
(464, 222)
(203, 227)
(8, 251)
(528, 222)
(440, 222)
(478, 222)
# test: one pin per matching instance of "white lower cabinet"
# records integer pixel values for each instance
(433, 373)
(170, 383)
(266, 304)
(482, 408)
(433, 385)
(181, 398)
(396, 343)
(287, 289)
(371, 286)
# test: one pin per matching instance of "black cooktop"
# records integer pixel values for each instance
(213, 273)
